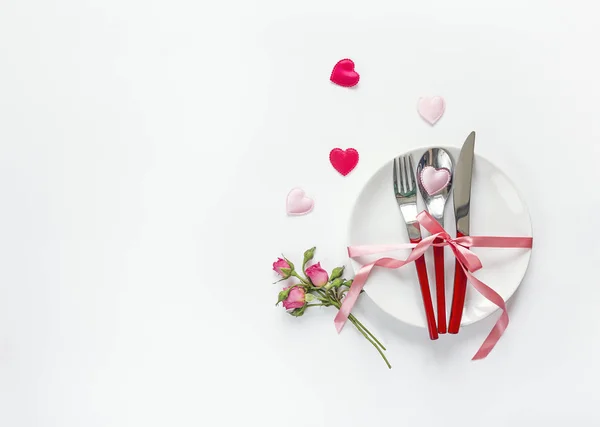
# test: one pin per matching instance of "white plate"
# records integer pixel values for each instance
(497, 209)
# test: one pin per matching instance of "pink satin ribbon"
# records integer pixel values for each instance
(469, 262)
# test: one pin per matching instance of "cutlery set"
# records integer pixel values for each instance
(436, 177)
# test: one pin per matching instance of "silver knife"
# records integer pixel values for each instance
(463, 174)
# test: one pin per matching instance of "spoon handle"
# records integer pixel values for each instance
(440, 288)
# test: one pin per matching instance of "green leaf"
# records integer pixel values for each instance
(297, 312)
(283, 295)
(308, 255)
(337, 272)
(287, 272)
(348, 282)
(292, 268)
(337, 282)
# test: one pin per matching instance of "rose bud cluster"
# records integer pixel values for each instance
(313, 286)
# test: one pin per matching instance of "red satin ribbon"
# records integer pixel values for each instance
(469, 262)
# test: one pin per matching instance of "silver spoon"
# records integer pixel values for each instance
(434, 177)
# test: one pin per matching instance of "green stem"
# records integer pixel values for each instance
(322, 293)
(333, 298)
(306, 282)
(353, 320)
(351, 316)
(366, 333)
(316, 305)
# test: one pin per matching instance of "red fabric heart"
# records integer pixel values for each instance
(343, 73)
(343, 161)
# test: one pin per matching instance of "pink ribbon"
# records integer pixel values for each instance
(469, 262)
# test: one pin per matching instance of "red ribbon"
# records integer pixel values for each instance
(469, 262)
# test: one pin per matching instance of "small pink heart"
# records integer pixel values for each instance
(431, 109)
(297, 202)
(343, 73)
(343, 161)
(434, 180)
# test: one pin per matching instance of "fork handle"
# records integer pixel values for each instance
(458, 296)
(440, 287)
(426, 294)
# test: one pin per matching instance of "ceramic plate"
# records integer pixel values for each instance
(497, 209)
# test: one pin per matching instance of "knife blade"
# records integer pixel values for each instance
(463, 174)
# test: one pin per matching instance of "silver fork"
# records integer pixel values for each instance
(406, 194)
(405, 190)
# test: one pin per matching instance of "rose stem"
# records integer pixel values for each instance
(366, 330)
(337, 304)
(371, 341)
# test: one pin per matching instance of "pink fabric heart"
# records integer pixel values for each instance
(434, 180)
(431, 109)
(297, 202)
(343, 73)
(343, 161)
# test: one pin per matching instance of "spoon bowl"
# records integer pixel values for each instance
(434, 176)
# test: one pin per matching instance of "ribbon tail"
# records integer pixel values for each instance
(501, 324)
(356, 251)
(350, 299)
(495, 242)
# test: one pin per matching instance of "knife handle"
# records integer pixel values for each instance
(458, 296)
(426, 294)
(440, 287)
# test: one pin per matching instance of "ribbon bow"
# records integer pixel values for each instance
(468, 261)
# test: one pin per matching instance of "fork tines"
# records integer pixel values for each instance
(404, 176)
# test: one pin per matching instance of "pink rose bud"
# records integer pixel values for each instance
(296, 298)
(317, 275)
(279, 264)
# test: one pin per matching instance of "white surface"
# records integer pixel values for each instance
(497, 209)
(146, 149)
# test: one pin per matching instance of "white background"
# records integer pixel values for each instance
(146, 149)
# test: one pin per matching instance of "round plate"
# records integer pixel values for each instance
(497, 209)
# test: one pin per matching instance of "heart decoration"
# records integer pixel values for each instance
(343, 161)
(434, 180)
(431, 109)
(343, 74)
(297, 203)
